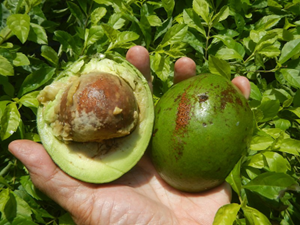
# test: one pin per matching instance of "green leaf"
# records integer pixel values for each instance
(50, 55)
(230, 43)
(154, 21)
(29, 187)
(292, 76)
(267, 22)
(255, 92)
(94, 34)
(221, 15)
(289, 50)
(30, 100)
(283, 124)
(66, 219)
(256, 161)
(36, 79)
(167, 24)
(124, 40)
(253, 216)
(110, 32)
(266, 41)
(38, 34)
(234, 178)
(8, 88)
(259, 143)
(168, 6)
(201, 7)
(98, 14)
(219, 66)
(6, 68)
(69, 43)
(227, 214)
(10, 121)
(271, 184)
(160, 64)
(77, 13)
(2, 107)
(174, 35)
(20, 25)
(269, 108)
(291, 146)
(21, 60)
(269, 51)
(276, 162)
(194, 42)
(228, 54)
(10, 209)
(191, 19)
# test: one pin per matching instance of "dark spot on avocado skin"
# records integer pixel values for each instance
(183, 118)
(202, 98)
(229, 96)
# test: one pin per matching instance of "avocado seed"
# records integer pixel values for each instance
(96, 107)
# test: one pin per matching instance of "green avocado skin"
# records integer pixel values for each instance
(202, 127)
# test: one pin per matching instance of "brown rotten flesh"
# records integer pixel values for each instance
(96, 107)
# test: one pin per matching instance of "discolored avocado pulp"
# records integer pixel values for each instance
(203, 126)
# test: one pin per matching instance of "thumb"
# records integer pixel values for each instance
(44, 173)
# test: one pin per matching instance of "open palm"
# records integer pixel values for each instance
(138, 197)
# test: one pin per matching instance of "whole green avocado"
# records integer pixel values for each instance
(202, 127)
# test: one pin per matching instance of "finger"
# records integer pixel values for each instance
(139, 57)
(243, 84)
(184, 68)
(45, 175)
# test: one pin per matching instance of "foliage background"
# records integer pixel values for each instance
(259, 39)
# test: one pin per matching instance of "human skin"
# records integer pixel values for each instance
(138, 197)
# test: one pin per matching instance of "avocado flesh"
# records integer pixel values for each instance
(203, 126)
(106, 161)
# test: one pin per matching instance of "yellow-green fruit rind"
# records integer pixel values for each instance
(86, 161)
(203, 125)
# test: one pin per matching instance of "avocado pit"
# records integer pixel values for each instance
(96, 107)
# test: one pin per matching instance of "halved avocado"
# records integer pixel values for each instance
(105, 161)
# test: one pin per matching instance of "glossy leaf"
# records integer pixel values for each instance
(50, 55)
(38, 34)
(20, 25)
(168, 6)
(77, 13)
(174, 35)
(269, 108)
(219, 66)
(221, 15)
(6, 68)
(193, 20)
(253, 216)
(98, 14)
(270, 184)
(267, 22)
(234, 178)
(10, 121)
(291, 146)
(259, 143)
(21, 60)
(292, 76)
(36, 79)
(290, 49)
(201, 7)
(276, 162)
(227, 214)
(255, 92)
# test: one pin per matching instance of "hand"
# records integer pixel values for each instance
(138, 197)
